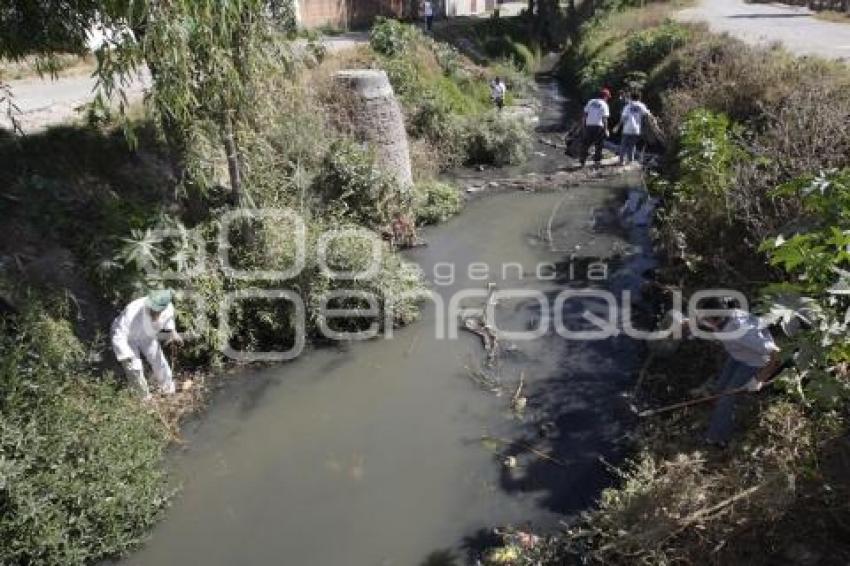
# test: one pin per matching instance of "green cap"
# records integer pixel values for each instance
(159, 300)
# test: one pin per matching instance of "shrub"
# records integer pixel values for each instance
(404, 77)
(596, 74)
(812, 305)
(444, 131)
(435, 202)
(707, 153)
(449, 58)
(284, 17)
(498, 140)
(397, 285)
(646, 49)
(523, 57)
(349, 185)
(81, 474)
(391, 38)
(513, 51)
(445, 97)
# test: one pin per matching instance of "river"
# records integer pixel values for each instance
(371, 454)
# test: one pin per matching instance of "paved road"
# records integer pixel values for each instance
(764, 24)
(43, 102)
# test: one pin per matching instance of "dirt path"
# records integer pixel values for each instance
(762, 24)
(45, 102)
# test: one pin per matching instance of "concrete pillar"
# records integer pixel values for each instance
(378, 121)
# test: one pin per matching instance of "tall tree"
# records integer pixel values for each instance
(41, 28)
(206, 58)
(45, 27)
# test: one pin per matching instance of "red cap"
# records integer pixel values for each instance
(605, 93)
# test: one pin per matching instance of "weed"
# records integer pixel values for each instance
(498, 140)
(80, 461)
(435, 202)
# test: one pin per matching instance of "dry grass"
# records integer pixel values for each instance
(67, 65)
(425, 159)
(651, 15)
(189, 399)
(790, 107)
(320, 86)
(690, 507)
(833, 16)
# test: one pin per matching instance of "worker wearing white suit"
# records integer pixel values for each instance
(136, 333)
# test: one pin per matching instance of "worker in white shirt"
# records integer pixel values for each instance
(752, 359)
(596, 114)
(631, 122)
(498, 90)
(428, 12)
(136, 333)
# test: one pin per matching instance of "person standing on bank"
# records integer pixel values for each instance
(428, 12)
(631, 122)
(752, 358)
(136, 333)
(498, 90)
(596, 114)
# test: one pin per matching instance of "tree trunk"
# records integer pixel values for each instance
(234, 166)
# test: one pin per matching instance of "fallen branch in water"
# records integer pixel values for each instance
(480, 325)
(517, 400)
(525, 446)
(483, 379)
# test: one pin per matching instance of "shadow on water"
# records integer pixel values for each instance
(446, 557)
(577, 412)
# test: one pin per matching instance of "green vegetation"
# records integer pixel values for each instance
(80, 461)
(435, 202)
(521, 41)
(755, 191)
(620, 55)
(498, 141)
(349, 185)
(448, 99)
(810, 302)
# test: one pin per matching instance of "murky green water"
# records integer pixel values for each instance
(371, 455)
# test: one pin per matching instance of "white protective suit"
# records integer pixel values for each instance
(135, 334)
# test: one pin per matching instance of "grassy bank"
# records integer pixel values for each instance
(91, 222)
(754, 190)
(447, 98)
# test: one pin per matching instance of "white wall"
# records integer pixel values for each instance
(464, 7)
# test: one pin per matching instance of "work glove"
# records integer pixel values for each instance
(754, 385)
